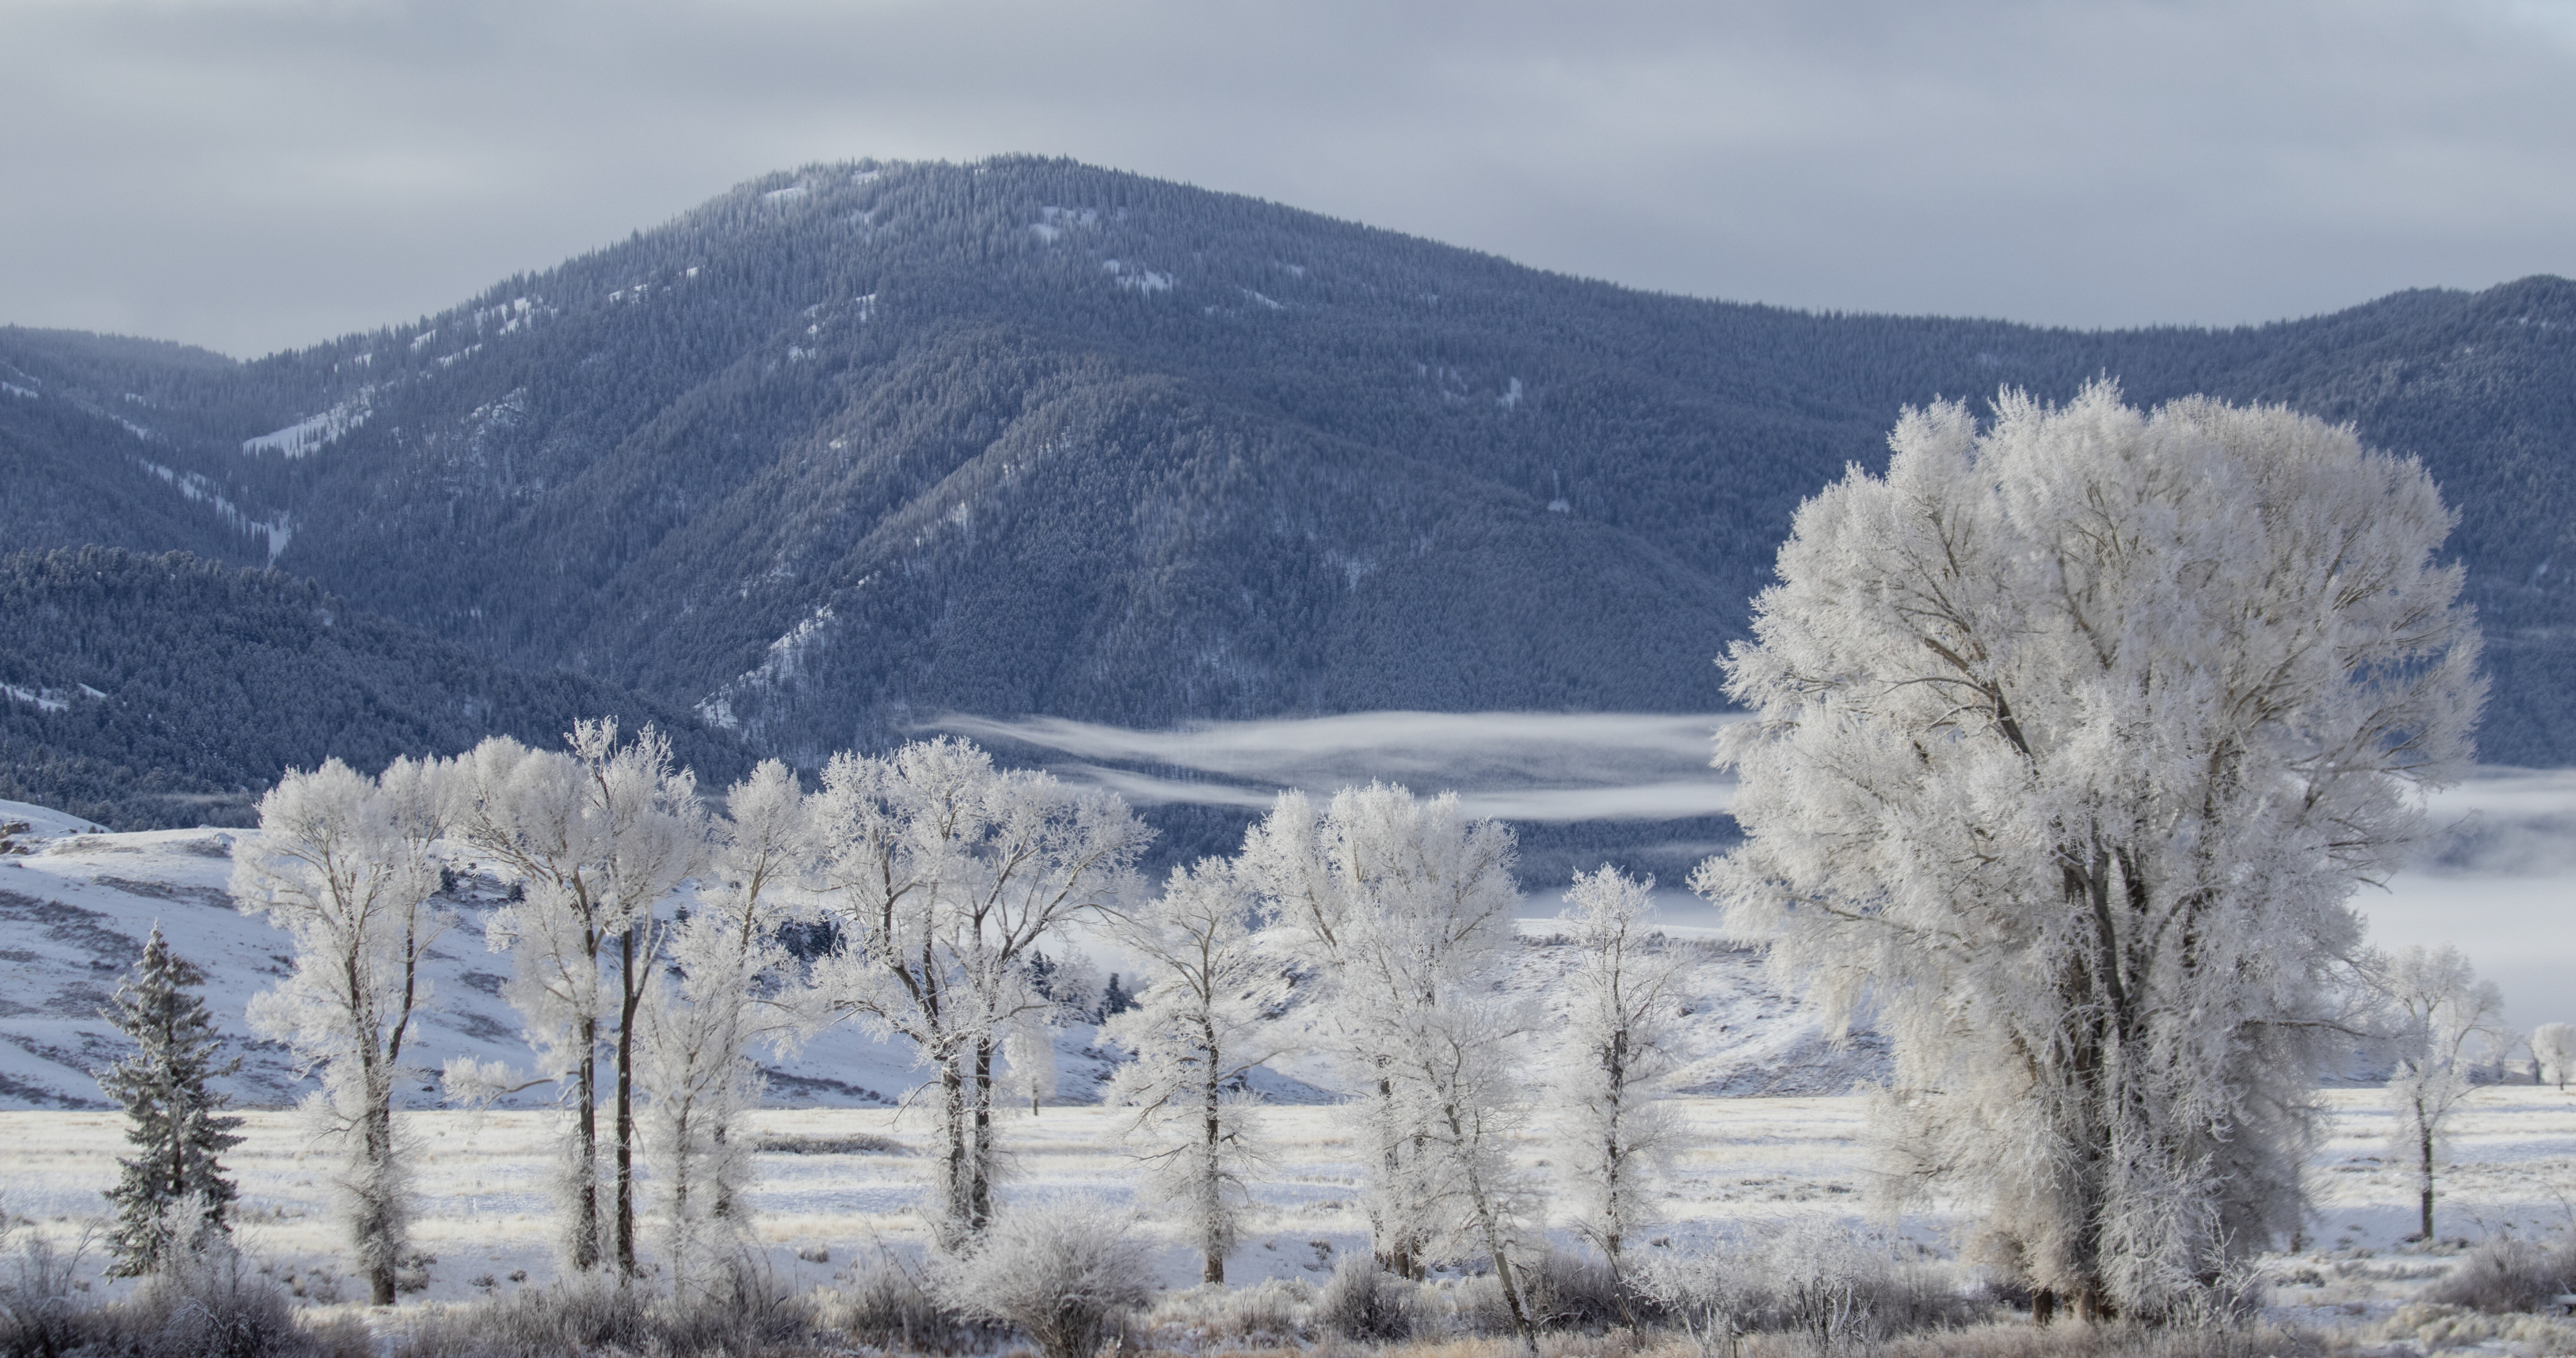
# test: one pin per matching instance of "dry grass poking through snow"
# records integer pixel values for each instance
(1976, 1341)
(837, 1189)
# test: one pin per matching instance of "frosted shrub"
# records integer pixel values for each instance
(1820, 1279)
(887, 1307)
(39, 1312)
(2507, 1274)
(591, 1313)
(1272, 1313)
(211, 1303)
(1062, 1271)
(1365, 1302)
(1573, 1291)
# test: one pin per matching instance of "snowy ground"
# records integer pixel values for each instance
(840, 1183)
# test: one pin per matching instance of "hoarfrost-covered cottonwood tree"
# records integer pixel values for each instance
(2071, 738)
(1612, 1058)
(1028, 1054)
(598, 837)
(943, 876)
(344, 864)
(1403, 908)
(2553, 1050)
(699, 1077)
(1196, 1028)
(2440, 1014)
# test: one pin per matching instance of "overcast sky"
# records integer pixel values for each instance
(255, 174)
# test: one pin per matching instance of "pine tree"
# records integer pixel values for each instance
(177, 1125)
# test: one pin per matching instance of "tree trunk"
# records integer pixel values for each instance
(629, 996)
(585, 1151)
(952, 1107)
(375, 1219)
(2424, 1199)
(1212, 1202)
(980, 1201)
(1395, 1252)
(1502, 1265)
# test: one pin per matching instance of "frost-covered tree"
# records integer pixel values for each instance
(1028, 1055)
(344, 864)
(2442, 1013)
(2553, 1049)
(943, 876)
(174, 1118)
(1613, 1056)
(599, 837)
(2071, 738)
(1403, 907)
(1200, 1024)
(698, 1074)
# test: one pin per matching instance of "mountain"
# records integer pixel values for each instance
(858, 445)
(149, 691)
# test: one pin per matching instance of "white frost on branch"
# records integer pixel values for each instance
(2072, 737)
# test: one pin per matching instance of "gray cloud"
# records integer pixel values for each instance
(2495, 880)
(259, 173)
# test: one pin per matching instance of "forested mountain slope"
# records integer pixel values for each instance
(146, 691)
(860, 444)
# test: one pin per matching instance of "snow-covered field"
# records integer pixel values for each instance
(1776, 1137)
(839, 1183)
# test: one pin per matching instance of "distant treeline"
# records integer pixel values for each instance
(150, 691)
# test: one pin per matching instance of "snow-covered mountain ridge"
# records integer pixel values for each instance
(77, 903)
(856, 445)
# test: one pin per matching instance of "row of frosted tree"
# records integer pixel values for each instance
(2070, 737)
(645, 933)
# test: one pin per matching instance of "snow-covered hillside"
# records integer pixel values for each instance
(76, 904)
(75, 910)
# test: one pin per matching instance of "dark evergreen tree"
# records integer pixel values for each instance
(176, 1121)
(1114, 999)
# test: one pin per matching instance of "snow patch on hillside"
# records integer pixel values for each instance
(44, 700)
(315, 432)
(784, 663)
(1137, 277)
(44, 821)
(75, 911)
(197, 488)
